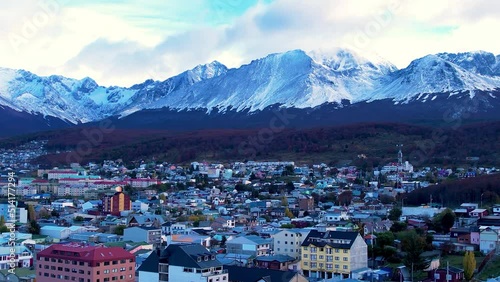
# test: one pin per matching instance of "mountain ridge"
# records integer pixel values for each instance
(292, 79)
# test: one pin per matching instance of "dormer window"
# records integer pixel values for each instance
(199, 259)
(206, 258)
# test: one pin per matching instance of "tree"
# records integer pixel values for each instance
(119, 229)
(54, 213)
(288, 213)
(444, 220)
(413, 245)
(395, 214)
(31, 212)
(34, 227)
(284, 202)
(78, 219)
(469, 264)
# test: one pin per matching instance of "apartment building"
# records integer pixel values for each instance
(84, 263)
(329, 253)
(288, 242)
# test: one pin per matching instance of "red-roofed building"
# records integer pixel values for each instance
(84, 263)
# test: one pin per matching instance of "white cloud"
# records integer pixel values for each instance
(126, 43)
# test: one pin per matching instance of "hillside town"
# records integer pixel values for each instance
(243, 221)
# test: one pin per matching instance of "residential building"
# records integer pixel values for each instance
(325, 254)
(306, 203)
(496, 210)
(276, 262)
(61, 173)
(20, 213)
(488, 239)
(288, 242)
(439, 275)
(60, 204)
(182, 262)
(23, 256)
(478, 213)
(84, 263)
(116, 203)
(249, 245)
(150, 235)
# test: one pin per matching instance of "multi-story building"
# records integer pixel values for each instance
(182, 262)
(288, 242)
(329, 253)
(116, 203)
(306, 203)
(61, 173)
(84, 263)
(21, 212)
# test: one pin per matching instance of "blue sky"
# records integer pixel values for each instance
(125, 42)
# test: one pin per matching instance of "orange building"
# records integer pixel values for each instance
(84, 263)
(117, 203)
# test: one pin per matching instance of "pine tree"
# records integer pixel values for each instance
(469, 265)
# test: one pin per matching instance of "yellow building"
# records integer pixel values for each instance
(329, 253)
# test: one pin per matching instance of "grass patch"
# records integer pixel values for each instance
(457, 261)
(491, 270)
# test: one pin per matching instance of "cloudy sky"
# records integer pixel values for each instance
(123, 42)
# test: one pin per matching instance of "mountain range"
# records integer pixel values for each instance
(317, 88)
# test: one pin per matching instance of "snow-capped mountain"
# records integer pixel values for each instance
(432, 75)
(75, 101)
(293, 79)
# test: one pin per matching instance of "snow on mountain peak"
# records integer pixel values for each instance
(289, 79)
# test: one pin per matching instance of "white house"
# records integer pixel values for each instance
(139, 206)
(56, 232)
(489, 239)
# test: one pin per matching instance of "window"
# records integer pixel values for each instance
(345, 259)
(278, 242)
(329, 258)
(313, 265)
(321, 257)
(306, 263)
(304, 255)
(328, 251)
(305, 248)
(81, 271)
(337, 250)
(345, 266)
(337, 258)
(313, 257)
(106, 271)
(106, 263)
(345, 251)
(313, 250)
(329, 266)
(336, 266)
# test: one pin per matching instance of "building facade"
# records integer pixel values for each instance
(84, 263)
(288, 242)
(325, 254)
(116, 203)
